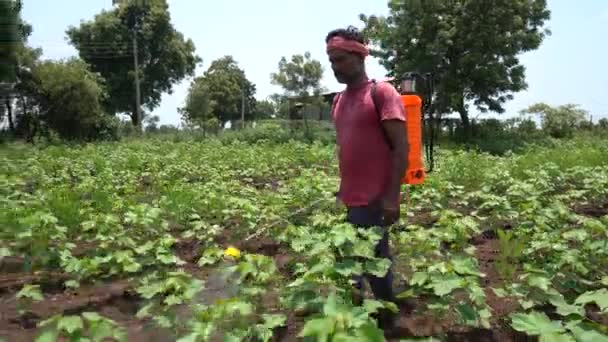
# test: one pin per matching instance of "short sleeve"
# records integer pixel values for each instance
(389, 102)
(332, 111)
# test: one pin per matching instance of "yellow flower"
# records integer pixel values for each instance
(232, 252)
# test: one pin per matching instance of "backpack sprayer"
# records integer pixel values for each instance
(416, 96)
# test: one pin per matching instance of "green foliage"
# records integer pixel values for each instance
(13, 34)
(219, 93)
(165, 57)
(471, 47)
(8, 36)
(199, 106)
(71, 97)
(265, 109)
(127, 210)
(510, 252)
(300, 77)
(89, 326)
(561, 121)
(283, 131)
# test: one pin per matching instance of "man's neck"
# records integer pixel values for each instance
(360, 80)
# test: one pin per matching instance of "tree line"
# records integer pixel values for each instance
(470, 47)
(80, 97)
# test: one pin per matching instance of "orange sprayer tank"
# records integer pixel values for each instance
(415, 173)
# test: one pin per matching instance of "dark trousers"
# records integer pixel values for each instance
(367, 217)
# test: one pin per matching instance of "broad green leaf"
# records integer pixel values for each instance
(600, 297)
(4, 252)
(535, 323)
(563, 308)
(539, 281)
(500, 292)
(372, 306)
(445, 285)
(409, 293)
(349, 267)
(103, 330)
(556, 337)
(583, 333)
(419, 278)
(92, 316)
(163, 321)
(377, 266)
(192, 337)
(576, 235)
(485, 315)
(272, 321)
(31, 291)
(73, 284)
(70, 324)
(48, 336)
(369, 332)
(172, 299)
(318, 328)
(243, 308)
(465, 266)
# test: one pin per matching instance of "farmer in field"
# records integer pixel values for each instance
(369, 119)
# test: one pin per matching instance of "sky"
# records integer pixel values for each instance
(569, 67)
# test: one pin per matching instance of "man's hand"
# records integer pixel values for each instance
(390, 210)
(397, 135)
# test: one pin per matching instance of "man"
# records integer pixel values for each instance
(372, 147)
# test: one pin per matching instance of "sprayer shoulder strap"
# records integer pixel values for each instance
(375, 100)
(373, 95)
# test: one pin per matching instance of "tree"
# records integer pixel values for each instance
(165, 56)
(199, 106)
(70, 96)
(281, 103)
(152, 123)
(227, 85)
(17, 58)
(559, 122)
(300, 76)
(470, 46)
(265, 109)
(13, 33)
(24, 93)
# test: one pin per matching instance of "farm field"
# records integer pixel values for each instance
(126, 241)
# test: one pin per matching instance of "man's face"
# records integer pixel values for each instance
(347, 67)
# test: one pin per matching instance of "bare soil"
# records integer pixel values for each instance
(596, 210)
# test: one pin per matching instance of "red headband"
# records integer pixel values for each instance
(347, 45)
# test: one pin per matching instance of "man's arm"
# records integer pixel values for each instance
(392, 116)
(397, 135)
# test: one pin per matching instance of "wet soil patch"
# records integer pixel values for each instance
(48, 281)
(594, 209)
(114, 300)
(263, 183)
(423, 218)
(188, 250)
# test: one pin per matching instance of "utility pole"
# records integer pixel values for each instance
(135, 25)
(137, 85)
(243, 109)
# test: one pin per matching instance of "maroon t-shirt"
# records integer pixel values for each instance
(364, 156)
